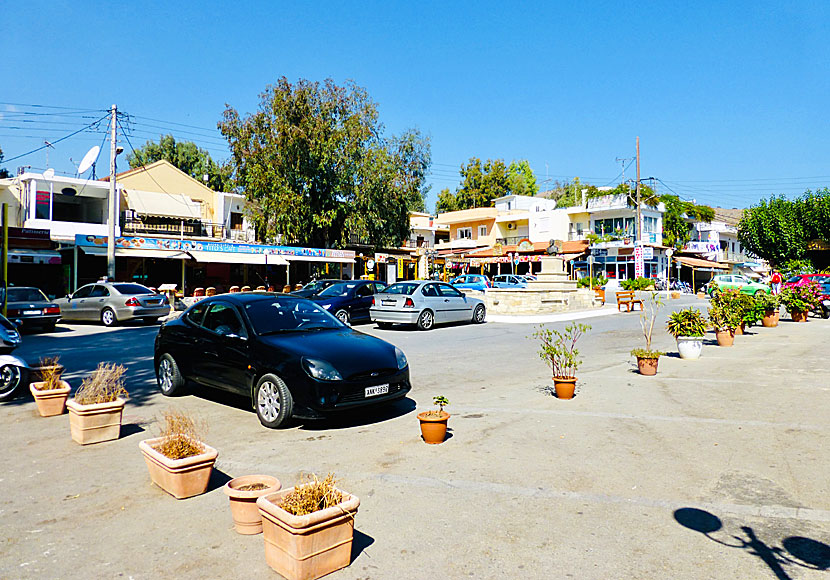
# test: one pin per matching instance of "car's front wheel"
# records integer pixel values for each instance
(342, 315)
(11, 377)
(170, 379)
(426, 320)
(479, 314)
(273, 401)
(108, 317)
(760, 292)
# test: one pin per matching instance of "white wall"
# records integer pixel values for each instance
(548, 224)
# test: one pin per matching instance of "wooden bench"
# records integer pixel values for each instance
(628, 299)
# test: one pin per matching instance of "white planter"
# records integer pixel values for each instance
(689, 347)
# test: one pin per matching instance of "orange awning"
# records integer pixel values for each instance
(700, 263)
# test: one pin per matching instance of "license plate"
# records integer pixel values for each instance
(31, 312)
(388, 302)
(378, 390)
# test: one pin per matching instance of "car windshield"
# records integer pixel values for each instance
(317, 285)
(338, 289)
(24, 295)
(131, 289)
(793, 280)
(406, 288)
(274, 316)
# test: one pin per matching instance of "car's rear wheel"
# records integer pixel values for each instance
(825, 312)
(108, 317)
(273, 401)
(11, 377)
(170, 379)
(479, 314)
(760, 292)
(342, 315)
(426, 320)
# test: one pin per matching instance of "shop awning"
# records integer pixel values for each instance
(318, 259)
(699, 263)
(173, 205)
(139, 253)
(238, 258)
(31, 256)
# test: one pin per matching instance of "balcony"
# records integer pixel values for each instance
(510, 240)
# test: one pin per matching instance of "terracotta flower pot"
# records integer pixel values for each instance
(181, 478)
(799, 316)
(647, 366)
(777, 317)
(95, 423)
(52, 402)
(770, 319)
(725, 337)
(433, 427)
(739, 330)
(310, 546)
(246, 517)
(564, 387)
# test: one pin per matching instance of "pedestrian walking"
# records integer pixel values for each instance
(776, 282)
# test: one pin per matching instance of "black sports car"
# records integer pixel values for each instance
(288, 354)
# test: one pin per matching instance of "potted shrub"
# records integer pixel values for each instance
(647, 359)
(688, 328)
(725, 313)
(558, 350)
(50, 392)
(308, 529)
(770, 304)
(95, 411)
(799, 300)
(178, 461)
(243, 492)
(751, 312)
(434, 423)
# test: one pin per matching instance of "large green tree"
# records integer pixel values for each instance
(676, 229)
(188, 157)
(779, 230)
(520, 178)
(314, 164)
(481, 183)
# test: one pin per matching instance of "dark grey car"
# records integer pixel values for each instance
(30, 307)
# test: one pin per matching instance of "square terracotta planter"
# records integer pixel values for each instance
(181, 478)
(95, 423)
(52, 402)
(310, 546)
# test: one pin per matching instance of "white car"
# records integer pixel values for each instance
(424, 303)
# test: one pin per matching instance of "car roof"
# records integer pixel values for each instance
(243, 298)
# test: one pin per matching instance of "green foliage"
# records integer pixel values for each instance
(792, 268)
(521, 179)
(4, 173)
(440, 400)
(314, 164)
(636, 283)
(726, 309)
(801, 298)
(778, 230)
(645, 353)
(482, 183)
(188, 157)
(588, 282)
(676, 230)
(558, 349)
(446, 201)
(687, 322)
(769, 302)
(752, 312)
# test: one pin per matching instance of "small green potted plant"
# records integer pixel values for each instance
(799, 300)
(434, 423)
(751, 312)
(647, 359)
(688, 327)
(558, 350)
(725, 314)
(770, 303)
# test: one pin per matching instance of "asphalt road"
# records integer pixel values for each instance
(527, 486)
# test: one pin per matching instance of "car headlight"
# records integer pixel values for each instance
(326, 306)
(401, 358)
(321, 370)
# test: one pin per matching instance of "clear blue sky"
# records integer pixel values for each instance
(729, 99)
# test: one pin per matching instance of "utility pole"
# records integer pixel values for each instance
(113, 202)
(639, 235)
(622, 161)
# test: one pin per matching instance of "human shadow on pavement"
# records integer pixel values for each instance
(797, 550)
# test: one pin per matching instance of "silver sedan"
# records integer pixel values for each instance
(424, 303)
(113, 302)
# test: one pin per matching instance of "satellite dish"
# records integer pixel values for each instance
(49, 173)
(89, 159)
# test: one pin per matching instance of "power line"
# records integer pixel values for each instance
(56, 140)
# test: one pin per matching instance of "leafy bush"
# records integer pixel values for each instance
(104, 385)
(637, 283)
(688, 322)
(312, 496)
(751, 311)
(645, 353)
(588, 281)
(726, 310)
(801, 298)
(558, 349)
(769, 302)
(181, 436)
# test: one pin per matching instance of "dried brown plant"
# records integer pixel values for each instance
(311, 496)
(181, 436)
(253, 487)
(104, 385)
(50, 374)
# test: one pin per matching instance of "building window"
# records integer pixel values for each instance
(464, 234)
(236, 220)
(650, 225)
(43, 202)
(482, 231)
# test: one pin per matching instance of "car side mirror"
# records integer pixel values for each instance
(68, 297)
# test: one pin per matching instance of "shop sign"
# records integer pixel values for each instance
(400, 270)
(498, 249)
(639, 264)
(137, 242)
(525, 245)
(370, 265)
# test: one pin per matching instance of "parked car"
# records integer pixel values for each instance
(288, 354)
(736, 282)
(30, 307)
(425, 303)
(314, 287)
(349, 300)
(528, 276)
(824, 307)
(113, 302)
(509, 281)
(472, 282)
(802, 279)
